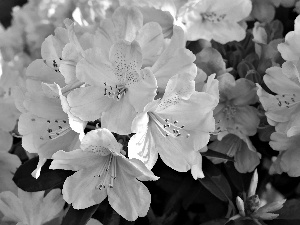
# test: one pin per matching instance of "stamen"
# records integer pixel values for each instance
(107, 172)
(169, 129)
(287, 100)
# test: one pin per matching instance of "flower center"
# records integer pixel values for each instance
(287, 100)
(229, 111)
(107, 173)
(115, 92)
(212, 17)
(169, 128)
(54, 129)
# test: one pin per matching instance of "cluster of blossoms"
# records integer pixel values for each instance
(104, 87)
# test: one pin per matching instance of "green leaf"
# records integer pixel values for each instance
(79, 217)
(216, 182)
(48, 179)
(214, 154)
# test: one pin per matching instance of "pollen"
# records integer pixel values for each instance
(170, 128)
(213, 17)
(54, 129)
(287, 100)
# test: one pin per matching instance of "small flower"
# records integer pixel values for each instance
(234, 114)
(103, 171)
(289, 154)
(284, 106)
(252, 208)
(215, 19)
(31, 208)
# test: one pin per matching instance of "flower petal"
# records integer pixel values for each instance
(95, 69)
(118, 122)
(129, 197)
(88, 103)
(151, 40)
(126, 59)
(80, 188)
(100, 137)
(141, 145)
(142, 92)
(127, 21)
(74, 160)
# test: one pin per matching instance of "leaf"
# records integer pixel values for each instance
(284, 222)
(215, 222)
(48, 179)
(214, 154)
(79, 217)
(216, 182)
(290, 210)
(235, 177)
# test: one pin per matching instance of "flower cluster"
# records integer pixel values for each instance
(106, 90)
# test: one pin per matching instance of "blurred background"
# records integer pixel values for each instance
(6, 9)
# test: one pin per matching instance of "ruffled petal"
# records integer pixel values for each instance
(174, 59)
(151, 40)
(245, 159)
(118, 122)
(129, 197)
(126, 59)
(95, 69)
(127, 22)
(142, 92)
(141, 145)
(88, 103)
(100, 137)
(80, 188)
(74, 160)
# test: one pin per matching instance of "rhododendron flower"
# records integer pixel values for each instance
(63, 50)
(284, 106)
(246, 158)
(43, 124)
(103, 171)
(289, 154)
(234, 114)
(251, 208)
(215, 19)
(164, 56)
(31, 208)
(176, 126)
(117, 84)
(290, 49)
